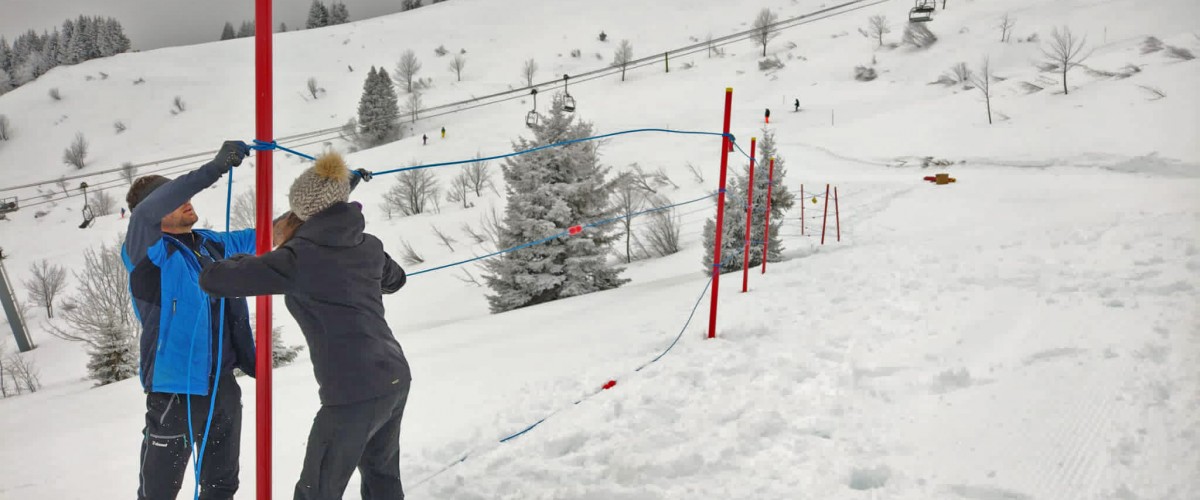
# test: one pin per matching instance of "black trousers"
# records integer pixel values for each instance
(362, 435)
(166, 448)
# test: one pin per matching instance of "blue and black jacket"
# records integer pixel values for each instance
(179, 320)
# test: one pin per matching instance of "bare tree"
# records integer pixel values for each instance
(62, 184)
(1064, 51)
(413, 104)
(661, 235)
(178, 106)
(128, 172)
(469, 278)
(314, 89)
(409, 256)
(407, 69)
(479, 175)
(528, 70)
(119, 126)
(696, 173)
(763, 33)
(47, 281)
(918, 35)
(3, 367)
(445, 238)
(103, 203)
(629, 197)
(460, 187)
(475, 235)
(879, 27)
(242, 213)
(491, 224)
(1006, 27)
(623, 56)
(76, 153)
(24, 373)
(412, 193)
(101, 298)
(457, 64)
(982, 80)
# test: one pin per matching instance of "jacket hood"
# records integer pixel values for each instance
(340, 225)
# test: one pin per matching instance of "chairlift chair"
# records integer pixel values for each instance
(88, 216)
(532, 118)
(922, 11)
(8, 205)
(568, 101)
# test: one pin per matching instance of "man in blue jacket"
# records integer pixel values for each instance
(186, 351)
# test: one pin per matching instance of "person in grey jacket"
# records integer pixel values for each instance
(333, 276)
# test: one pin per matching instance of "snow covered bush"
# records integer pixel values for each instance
(5, 128)
(55, 94)
(918, 35)
(770, 63)
(864, 73)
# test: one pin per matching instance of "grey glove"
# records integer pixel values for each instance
(231, 154)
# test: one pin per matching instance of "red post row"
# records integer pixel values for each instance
(749, 218)
(767, 223)
(726, 146)
(825, 217)
(264, 109)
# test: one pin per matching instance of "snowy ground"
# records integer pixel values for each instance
(1030, 332)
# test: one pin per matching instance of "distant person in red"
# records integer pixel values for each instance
(767, 116)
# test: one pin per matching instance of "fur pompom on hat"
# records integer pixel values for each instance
(323, 185)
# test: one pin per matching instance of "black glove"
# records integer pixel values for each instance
(360, 174)
(231, 154)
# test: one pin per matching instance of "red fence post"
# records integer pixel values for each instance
(837, 216)
(767, 223)
(749, 218)
(726, 145)
(263, 124)
(825, 218)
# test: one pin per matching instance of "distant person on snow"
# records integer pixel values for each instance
(767, 116)
(333, 276)
(424, 139)
(443, 132)
(797, 105)
(184, 348)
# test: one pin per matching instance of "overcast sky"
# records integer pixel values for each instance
(151, 24)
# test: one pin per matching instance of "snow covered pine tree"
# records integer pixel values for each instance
(550, 191)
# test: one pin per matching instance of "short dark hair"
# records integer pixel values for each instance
(142, 187)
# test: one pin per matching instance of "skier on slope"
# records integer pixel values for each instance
(180, 333)
(333, 276)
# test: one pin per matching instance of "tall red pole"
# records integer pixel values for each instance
(726, 145)
(825, 217)
(767, 224)
(837, 216)
(749, 218)
(264, 107)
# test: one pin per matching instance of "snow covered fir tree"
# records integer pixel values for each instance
(733, 239)
(378, 110)
(550, 191)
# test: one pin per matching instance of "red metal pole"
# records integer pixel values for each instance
(802, 202)
(749, 218)
(726, 145)
(837, 216)
(264, 109)
(767, 224)
(825, 217)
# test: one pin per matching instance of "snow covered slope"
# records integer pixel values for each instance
(1031, 331)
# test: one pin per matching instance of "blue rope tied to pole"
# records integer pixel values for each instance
(264, 146)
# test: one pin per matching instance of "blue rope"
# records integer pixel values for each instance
(681, 330)
(539, 148)
(198, 455)
(556, 236)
